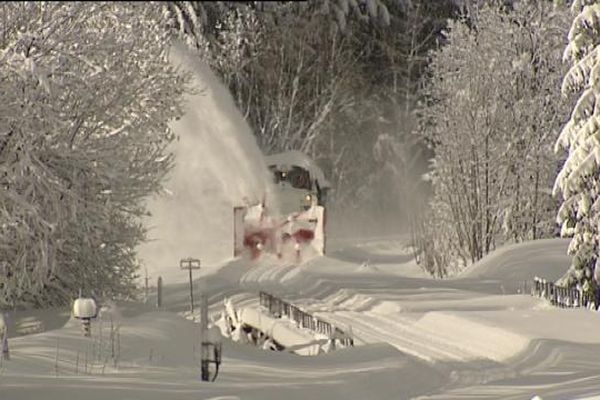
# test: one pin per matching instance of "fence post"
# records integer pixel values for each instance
(205, 344)
(159, 284)
(4, 338)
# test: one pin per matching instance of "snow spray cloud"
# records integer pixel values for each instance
(218, 165)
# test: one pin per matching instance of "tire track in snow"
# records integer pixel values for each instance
(361, 309)
(400, 333)
(342, 308)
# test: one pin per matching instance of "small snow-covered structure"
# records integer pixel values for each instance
(84, 308)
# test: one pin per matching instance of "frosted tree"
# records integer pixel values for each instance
(578, 181)
(285, 71)
(320, 76)
(366, 10)
(87, 96)
(198, 22)
(489, 119)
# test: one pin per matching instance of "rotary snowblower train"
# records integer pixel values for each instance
(299, 231)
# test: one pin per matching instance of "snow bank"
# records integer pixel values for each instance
(545, 258)
(388, 247)
(478, 345)
(478, 339)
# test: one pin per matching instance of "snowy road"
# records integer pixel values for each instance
(477, 319)
(463, 338)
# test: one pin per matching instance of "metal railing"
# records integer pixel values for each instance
(279, 308)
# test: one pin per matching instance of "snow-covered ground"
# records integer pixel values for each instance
(471, 337)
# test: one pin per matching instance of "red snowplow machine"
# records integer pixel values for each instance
(298, 231)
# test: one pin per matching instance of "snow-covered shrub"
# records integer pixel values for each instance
(490, 117)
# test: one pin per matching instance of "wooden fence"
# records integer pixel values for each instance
(279, 308)
(559, 295)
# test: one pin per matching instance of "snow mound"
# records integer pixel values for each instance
(478, 339)
(545, 258)
(388, 247)
(386, 307)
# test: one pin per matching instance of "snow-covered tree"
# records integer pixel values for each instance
(365, 10)
(489, 118)
(198, 22)
(578, 181)
(87, 92)
(320, 76)
(286, 73)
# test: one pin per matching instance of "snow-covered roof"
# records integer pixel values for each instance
(299, 159)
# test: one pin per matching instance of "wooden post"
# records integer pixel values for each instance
(190, 264)
(4, 337)
(86, 325)
(146, 287)
(191, 293)
(77, 364)
(56, 359)
(205, 343)
(159, 284)
(5, 352)
(210, 352)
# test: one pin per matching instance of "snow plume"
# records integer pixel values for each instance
(218, 165)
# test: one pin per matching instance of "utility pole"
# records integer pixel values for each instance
(190, 264)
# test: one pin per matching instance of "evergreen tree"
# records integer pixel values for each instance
(578, 181)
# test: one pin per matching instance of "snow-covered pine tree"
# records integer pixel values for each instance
(579, 179)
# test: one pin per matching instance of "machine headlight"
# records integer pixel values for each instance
(307, 201)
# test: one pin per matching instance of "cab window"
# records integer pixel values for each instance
(297, 177)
